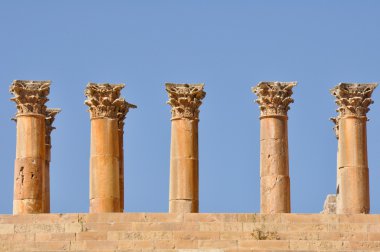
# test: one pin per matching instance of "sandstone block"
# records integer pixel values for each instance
(7, 228)
(272, 245)
(186, 235)
(217, 244)
(100, 235)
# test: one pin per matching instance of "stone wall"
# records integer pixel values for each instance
(189, 232)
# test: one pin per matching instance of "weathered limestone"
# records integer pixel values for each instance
(329, 207)
(50, 117)
(185, 100)
(104, 102)
(335, 120)
(123, 110)
(177, 232)
(353, 102)
(274, 99)
(30, 98)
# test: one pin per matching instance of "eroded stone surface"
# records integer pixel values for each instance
(123, 110)
(30, 98)
(49, 119)
(185, 100)
(274, 99)
(121, 115)
(353, 100)
(189, 232)
(104, 102)
(329, 206)
(104, 99)
(108, 111)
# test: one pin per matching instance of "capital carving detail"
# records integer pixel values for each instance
(104, 100)
(185, 100)
(49, 119)
(353, 99)
(30, 96)
(122, 113)
(274, 97)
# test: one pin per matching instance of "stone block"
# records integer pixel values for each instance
(164, 217)
(186, 244)
(73, 227)
(164, 244)
(217, 244)
(41, 237)
(100, 235)
(92, 245)
(7, 228)
(263, 244)
(186, 235)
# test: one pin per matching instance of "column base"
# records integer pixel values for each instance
(104, 205)
(353, 196)
(27, 206)
(183, 206)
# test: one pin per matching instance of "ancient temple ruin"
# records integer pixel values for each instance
(344, 224)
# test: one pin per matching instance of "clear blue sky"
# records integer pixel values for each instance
(228, 45)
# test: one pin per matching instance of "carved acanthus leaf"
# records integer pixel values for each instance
(104, 99)
(30, 96)
(122, 113)
(353, 98)
(185, 100)
(274, 97)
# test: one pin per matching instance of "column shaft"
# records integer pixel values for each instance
(274, 165)
(29, 164)
(104, 166)
(123, 110)
(46, 181)
(49, 119)
(353, 196)
(184, 166)
(121, 168)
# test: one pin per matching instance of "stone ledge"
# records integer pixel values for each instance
(189, 232)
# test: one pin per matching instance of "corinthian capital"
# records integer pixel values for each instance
(122, 113)
(185, 99)
(49, 119)
(30, 96)
(274, 97)
(103, 99)
(353, 98)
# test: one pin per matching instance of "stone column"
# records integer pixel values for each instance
(104, 102)
(335, 120)
(30, 98)
(353, 102)
(123, 110)
(274, 99)
(185, 100)
(50, 117)
(329, 206)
